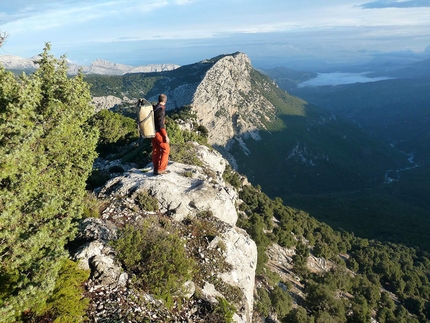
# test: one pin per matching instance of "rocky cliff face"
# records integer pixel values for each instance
(227, 257)
(226, 102)
(223, 97)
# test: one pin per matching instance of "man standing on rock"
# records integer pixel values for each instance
(160, 143)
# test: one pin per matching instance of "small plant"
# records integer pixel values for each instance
(232, 177)
(66, 304)
(209, 172)
(92, 206)
(222, 246)
(97, 178)
(225, 310)
(157, 257)
(146, 202)
(185, 153)
(187, 174)
(203, 131)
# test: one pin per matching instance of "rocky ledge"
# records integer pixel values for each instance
(226, 258)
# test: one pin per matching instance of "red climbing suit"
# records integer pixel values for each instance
(160, 147)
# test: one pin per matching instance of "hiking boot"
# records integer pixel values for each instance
(164, 171)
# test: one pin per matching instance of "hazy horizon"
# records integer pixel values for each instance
(272, 33)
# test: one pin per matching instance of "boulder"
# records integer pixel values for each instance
(185, 191)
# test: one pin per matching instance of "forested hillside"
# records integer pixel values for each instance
(396, 111)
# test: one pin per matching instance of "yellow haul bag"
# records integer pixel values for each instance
(145, 119)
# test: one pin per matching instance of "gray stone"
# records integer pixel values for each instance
(181, 196)
(106, 272)
(96, 229)
(86, 252)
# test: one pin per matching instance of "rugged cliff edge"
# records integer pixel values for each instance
(227, 258)
(223, 96)
(226, 102)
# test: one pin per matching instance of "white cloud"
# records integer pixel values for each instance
(307, 27)
(379, 4)
(32, 18)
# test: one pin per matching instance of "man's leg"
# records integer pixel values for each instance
(164, 156)
(155, 154)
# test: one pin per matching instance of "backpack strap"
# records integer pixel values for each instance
(156, 107)
(146, 118)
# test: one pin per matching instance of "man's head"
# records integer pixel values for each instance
(162, 98)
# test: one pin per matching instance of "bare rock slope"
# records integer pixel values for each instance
(184, 193)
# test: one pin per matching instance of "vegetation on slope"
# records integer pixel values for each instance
(387, 281)
(368, 278)
(47, 150)
(395, 111)
(311, 151)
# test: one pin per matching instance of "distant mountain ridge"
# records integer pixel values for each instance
(99, 66)
(311, 158)
(255, 124)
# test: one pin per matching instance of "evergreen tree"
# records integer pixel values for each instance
(46, 154)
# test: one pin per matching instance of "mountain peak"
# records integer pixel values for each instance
(16, 62)
(235, 55)
(99, 66)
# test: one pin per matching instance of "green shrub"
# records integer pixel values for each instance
(97, 179)
(114, 127)
(66, 304)
(146, 202)
(187, 174)
(221, 312)
(281, 301)
(92, 206)
(232, 177)
(225, 310)
(298, 315)
(185, 153)
(183, 113)
(203, 131)
(178, 136)
(158, 258)
(140, 154)
(264, 304)
(115, 131)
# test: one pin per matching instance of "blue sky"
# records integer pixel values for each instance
(271, 32)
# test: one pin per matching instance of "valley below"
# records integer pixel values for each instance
(397, 208)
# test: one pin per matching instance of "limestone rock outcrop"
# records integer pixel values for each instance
(182, 194)
(226, 102)
(105, 102)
